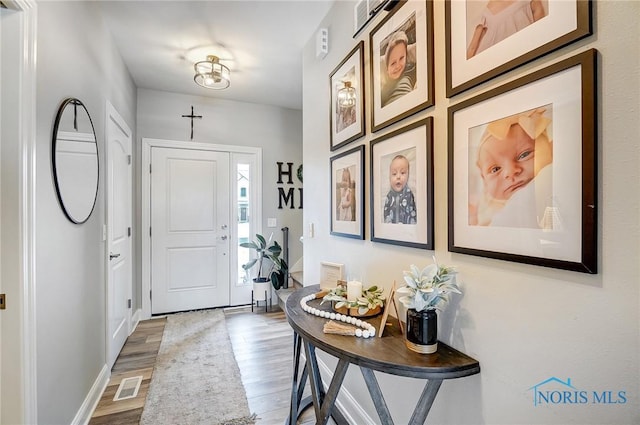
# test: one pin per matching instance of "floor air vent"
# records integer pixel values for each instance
(128, 388)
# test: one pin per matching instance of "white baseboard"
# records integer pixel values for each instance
(349, 407)
(137, 316)
(91, 401)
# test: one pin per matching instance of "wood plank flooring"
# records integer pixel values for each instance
(137, 358)
(263, 347)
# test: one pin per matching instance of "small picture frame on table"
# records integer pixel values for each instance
(402, 186)
(330, 274)
(485, 39)
(401, 53)
(522, 169)
(347, 99)
(347, 193)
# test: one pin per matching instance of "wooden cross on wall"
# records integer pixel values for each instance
(192, 117)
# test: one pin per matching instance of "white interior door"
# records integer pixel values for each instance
(119, 191)
(18, 395)
(189, 229)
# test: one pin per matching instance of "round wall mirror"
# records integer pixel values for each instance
(74, 157)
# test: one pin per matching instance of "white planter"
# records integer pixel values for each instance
(261, 291)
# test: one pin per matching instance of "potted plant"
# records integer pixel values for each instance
(426, 292)
(271, 268)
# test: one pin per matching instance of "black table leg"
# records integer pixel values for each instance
(293, 412)
(298, 405)
(315, 381)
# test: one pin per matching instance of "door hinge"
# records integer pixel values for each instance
(129, 231)
(149, 231)
(149, 168)
(150, 294)
(3, 301)
(129, 303)
(129, 159)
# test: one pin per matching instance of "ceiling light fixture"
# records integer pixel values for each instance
(347, 96)
(211, 74)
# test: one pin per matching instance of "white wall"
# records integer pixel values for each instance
(523, 323)
(76, 58)
(278, 131)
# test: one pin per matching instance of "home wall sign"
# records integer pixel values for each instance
(287, 197)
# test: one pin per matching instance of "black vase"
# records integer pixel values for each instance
(422, 331)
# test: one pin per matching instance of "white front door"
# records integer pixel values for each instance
(189, 229)
(119, 269)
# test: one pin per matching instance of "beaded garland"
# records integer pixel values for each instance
(367, 331)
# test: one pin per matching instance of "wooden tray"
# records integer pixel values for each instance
(353, 311)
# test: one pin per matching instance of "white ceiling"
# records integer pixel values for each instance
(260, 41)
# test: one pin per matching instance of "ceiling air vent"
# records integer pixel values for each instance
(360, 15)
(365, 10)
(374, 5)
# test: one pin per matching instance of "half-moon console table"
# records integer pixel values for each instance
(387, 355)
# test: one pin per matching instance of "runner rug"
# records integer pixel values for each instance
(196, 379)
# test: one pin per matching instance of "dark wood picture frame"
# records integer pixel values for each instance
(410, 88)
(397, 216)
(347, 121)
(541, 219)
(347, 217)
(565, 23)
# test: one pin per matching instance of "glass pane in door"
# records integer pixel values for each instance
(243, 209)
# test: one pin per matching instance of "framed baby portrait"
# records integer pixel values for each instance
(522, 169)
(402, 186)
(486, 38)
(347, 193)
(346, 113)
(401, 52)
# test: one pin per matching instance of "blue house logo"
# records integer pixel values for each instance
(555, 391)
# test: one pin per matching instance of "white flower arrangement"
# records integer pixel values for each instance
(428, 288)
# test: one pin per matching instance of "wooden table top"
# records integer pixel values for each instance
(387, 354)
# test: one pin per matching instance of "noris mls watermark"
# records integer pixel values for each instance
(555, 391)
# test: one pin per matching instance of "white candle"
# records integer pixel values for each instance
(354, 290)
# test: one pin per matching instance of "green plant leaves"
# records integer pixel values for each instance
(249, 264)
(371, 297)
(428, 288)
(277, 267)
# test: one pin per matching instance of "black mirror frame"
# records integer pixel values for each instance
(54, 138)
